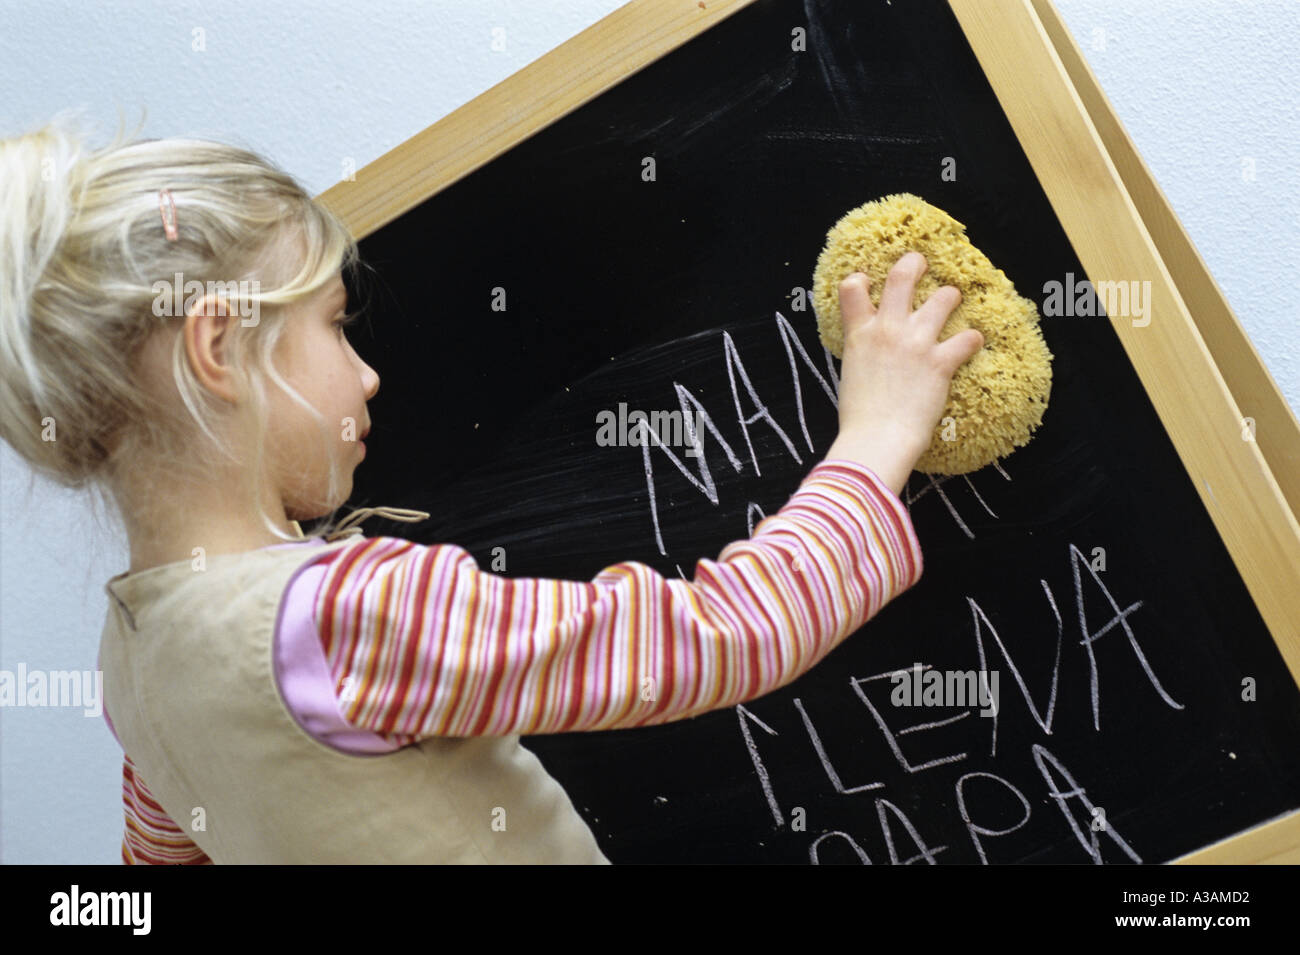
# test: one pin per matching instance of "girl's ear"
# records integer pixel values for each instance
(207, 331)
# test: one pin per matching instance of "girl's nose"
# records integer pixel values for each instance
(369, 377)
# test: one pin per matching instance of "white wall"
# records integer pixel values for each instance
(1201, 85)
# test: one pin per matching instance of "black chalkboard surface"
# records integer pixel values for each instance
(1083, 568)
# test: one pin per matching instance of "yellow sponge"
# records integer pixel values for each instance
(998, 397)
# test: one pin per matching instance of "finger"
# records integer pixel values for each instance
(959, 349)
(855, 299)
(934, 311)
(900, 285)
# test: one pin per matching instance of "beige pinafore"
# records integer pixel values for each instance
(190, 686)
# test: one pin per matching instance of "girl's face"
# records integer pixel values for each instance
(316, 358)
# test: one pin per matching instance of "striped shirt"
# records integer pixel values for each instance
(384, 642)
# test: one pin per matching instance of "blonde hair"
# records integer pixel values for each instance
(82, 250)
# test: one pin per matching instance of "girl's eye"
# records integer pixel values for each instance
(346, 320)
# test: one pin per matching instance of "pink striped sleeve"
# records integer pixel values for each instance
(150, 837)
(430, 645)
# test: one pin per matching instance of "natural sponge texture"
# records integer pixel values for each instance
(998, 397)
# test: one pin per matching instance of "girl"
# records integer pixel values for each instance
(171, 335)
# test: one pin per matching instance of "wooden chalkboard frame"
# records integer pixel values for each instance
(1196, 363)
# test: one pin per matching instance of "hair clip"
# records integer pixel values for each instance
(168, 212)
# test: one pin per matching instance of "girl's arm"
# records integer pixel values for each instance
(427, 644)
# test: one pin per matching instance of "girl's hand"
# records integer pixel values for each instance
(896, 373)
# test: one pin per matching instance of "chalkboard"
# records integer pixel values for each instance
(1084, 568)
